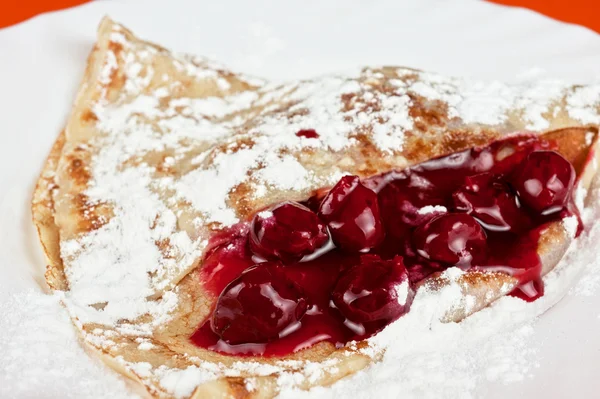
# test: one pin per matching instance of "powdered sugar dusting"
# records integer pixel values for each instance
(402, 292)
(41, 354)
(432, 209)
(490, 103)
(182, 383)
(224, 174)
(583, 104)
(295, 178)
(571, 224)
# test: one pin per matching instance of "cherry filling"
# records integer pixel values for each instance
(342, 265)
(544, 181)
(455, 239)
(352, 215)
(373, 293)
(401, 201)
(287, 231)
(260, 305)
(490, 200)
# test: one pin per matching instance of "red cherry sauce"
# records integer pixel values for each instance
(475, 185)
(317, 278)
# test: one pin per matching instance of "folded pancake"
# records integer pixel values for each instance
(163, 151)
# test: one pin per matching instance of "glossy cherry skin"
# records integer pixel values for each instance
(287, 231)
(400, 203)
(260, 305)
(373, 290)
(352, 215)
(454, 239)
(489, 199)
(544, 181)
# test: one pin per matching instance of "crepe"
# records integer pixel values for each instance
(164, 151)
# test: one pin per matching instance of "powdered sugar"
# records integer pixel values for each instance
(224, 174)
(403, 292)
(490, 103)
(432, 209)
(181, 383)
(41, 354)
(454, 372)
(583, 104)
(571, 224)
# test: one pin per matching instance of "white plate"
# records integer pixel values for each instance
(42, 61)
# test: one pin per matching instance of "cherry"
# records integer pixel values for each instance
(453, 238)
(401, 203)
(373, 290)
(352, 215)
(287, 231)
(260, 305)
(544, 181)
(234, 253)
(488, 198)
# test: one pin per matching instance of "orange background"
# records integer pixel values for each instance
(583, 12)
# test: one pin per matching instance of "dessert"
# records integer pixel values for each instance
(215, 234)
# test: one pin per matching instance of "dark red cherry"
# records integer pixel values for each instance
(352, 215)
(260, 305)
(287, 231)
(454, 239)
(373, 290)
(234, 253)
(544, 181)
(407, 202)
(489, 199)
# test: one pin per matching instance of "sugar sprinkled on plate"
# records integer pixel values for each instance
(41, 354)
